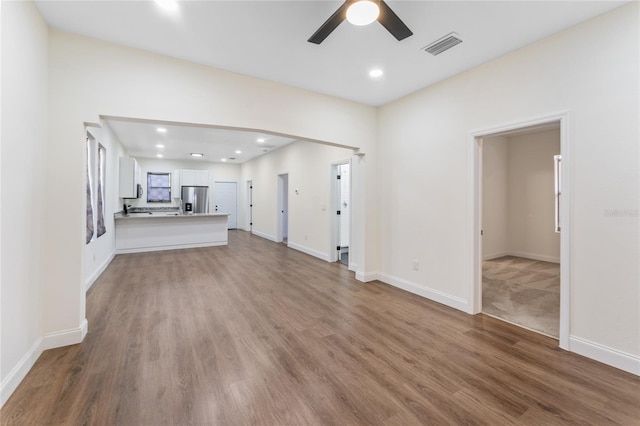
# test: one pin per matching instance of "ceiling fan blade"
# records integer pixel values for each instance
(392, 23)
(330, 24)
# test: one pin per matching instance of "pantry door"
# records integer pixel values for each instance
(226, 201)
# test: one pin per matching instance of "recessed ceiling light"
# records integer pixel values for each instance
(197, 154)
(238, 152)
(159, 145)
(260, 140)
(167, 4)
(159, 155)
(375, 73)
(223, 159)
(161, 130)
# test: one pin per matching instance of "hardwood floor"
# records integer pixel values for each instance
(256, 333)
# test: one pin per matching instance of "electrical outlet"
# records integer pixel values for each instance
(305, 238)
(416, 265)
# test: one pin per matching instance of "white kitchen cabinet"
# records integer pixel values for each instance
(175, 184)
(129, 177)
(194, 177)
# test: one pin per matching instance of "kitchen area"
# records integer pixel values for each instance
(166, 209)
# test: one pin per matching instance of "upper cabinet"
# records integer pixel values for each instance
(129, 178)
(194, 177)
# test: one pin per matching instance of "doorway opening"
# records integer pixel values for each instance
(520, 250)
(283, 208)
(226, 201)
(250, 206)
(341, 175)
(520, 242)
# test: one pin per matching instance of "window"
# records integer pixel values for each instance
(89, 204)
(158, 187)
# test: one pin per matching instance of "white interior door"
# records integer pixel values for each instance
(283, 207)
(226, 201)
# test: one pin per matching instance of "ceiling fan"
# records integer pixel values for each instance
(363, 12)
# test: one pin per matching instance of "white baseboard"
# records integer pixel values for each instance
(309, 251)
(19, 372)
(495, 255)
(535, 256)
(429, 293)
(623, 361)
(264, 235)
(170, 247)
(66, 337)
(92, 279)
(365, 278)
(532, 256)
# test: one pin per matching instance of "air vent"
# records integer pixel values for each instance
(445, 43)
(231, 158)
(266, 146)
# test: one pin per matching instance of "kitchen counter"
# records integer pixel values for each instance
(146, 215)
(160, 230)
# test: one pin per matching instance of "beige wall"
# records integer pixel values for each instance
(495, 171)
(89, 78)
(425, 143)
(23, 177)
(518, 201)
(531, 201)
(99, 252)
(309, 168)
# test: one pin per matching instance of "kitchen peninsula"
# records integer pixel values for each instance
(153, 231)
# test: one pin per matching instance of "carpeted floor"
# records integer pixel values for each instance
(522, 291)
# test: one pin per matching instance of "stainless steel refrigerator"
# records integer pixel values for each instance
(195, 199)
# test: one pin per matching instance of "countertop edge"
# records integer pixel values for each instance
(136, 216)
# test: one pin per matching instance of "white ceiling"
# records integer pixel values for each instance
(140, 139)
(268, 39)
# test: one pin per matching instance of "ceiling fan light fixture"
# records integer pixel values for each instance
(363, 12)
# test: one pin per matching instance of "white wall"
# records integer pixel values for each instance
(100, 251)
(309, 168)
(22, 216)
(89, 78)
(495, 177)
(518, 200)
(217, 172)
(592, 71)
(531, 200)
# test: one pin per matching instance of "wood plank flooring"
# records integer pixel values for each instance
(256, 333)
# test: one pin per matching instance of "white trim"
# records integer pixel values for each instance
(170, 247)
(334, 205)
(532, 256)
(429, 293)
(264, 235)
(20, 371)
(65, 338)
(366, 278)
(618, 359)
(535, 256)
(92, 279)
(495, 255)
(309, 251)
(474, 176)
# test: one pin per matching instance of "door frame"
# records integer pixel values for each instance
(475, 218)
(281, 207)
(335, 206)
(249, 205)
